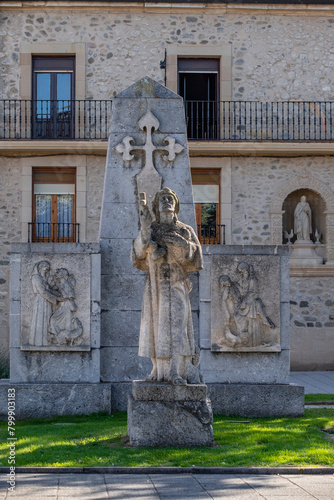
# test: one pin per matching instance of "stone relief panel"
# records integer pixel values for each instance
(55, 302)
(245, 304)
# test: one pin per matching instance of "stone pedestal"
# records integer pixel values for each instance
(167, 415)
(304, 253)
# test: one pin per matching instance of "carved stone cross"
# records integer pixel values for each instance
(149, 180)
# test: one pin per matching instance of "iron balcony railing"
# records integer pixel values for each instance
(53, 232)
(206, 120)
(211, 234)
(61, 119)
(260, 121)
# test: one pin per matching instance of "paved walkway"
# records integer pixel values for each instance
(314, 382)
(170, 487)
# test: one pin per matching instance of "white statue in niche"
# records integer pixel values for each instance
(167, 250)
(243, 311)
(45, 297)
(303, 220)
(52, 318)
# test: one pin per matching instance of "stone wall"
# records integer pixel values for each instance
(254, 183)
(312, 323)
(275, 57)
(10, 230)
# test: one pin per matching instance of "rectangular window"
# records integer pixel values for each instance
(206, 190)
(54, 205)
(199, 87)
(53, 97)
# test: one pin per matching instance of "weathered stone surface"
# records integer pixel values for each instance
(154, 391)
(54, 367)
(122, 364)
(120, 392)
(257, 400)
(246, 367)
(174, 423)
(245, 303)
(49, 400)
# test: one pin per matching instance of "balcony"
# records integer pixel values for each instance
(54, 120)
(294, 121)
(235, 121)
(53, 232)
(211, 234)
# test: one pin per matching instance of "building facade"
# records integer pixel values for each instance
(257, 82)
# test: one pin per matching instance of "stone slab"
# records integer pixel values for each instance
(52, 367)
(268, 279)
(173, 423)
(245, 367)
(120, 392)
(50, 400)
(122, 364)
(153, 391)
(257, 400)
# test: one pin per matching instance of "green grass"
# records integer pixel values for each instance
(99, 440)
(318, 397)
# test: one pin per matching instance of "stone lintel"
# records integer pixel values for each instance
(154, 391)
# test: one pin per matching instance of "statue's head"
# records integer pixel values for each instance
(61, 273)
(165, 200)
(244, 268)
(303, 199)
(225, 281)
(43, 267)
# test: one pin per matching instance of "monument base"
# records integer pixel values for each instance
(161, 414)
(257, 400)
(303, 253)
(51, 400)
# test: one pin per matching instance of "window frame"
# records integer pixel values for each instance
(54, 220)
(198, 214)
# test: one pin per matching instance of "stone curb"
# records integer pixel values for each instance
(172, 470)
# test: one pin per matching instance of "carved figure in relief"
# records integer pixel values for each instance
(303, 220)
(243, 310)
(63, 327)
(167, 250)
(45, 297)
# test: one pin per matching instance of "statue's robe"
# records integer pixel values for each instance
(166, 326)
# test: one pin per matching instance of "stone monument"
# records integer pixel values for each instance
(147, 152)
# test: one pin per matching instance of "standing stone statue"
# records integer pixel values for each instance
(303, 220)
(167, 250)
(45, 297)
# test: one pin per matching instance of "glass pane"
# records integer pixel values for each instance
(43, 215)
(64, 95)
(43, 95)
(206, 193)
(64, 86)
(64, 216)
(208, 214)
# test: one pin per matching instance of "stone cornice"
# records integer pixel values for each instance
(292, 7)
(200, 148)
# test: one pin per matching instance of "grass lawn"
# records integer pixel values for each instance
(99, 440)
(319, 398)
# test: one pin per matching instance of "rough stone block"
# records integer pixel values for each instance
(123, 291)
(52, 367)
(257, 400)
(172, 423)
(122, 364)
(247, 367)
(50, 400)
(154, 391)
(120, 392)
(120, 328)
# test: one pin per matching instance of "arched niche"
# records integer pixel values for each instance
(304, 183)
(318, 207)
